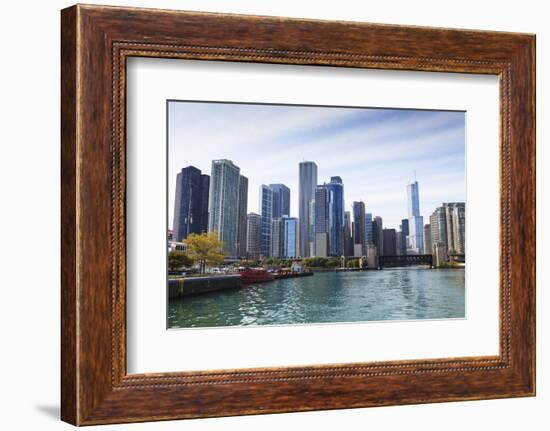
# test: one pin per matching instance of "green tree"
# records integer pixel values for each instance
(316, 262)
(353, 263)
(206, 249)
(178, 259)
(333, 262)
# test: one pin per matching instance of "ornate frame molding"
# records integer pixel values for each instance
(96, 41)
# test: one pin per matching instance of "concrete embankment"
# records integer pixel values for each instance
(185, 286)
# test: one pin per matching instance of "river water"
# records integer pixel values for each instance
(329, 297)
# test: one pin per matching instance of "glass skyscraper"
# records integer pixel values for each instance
(335, 191)
(266, 211)
(415, 242)
(223, 208)
(369, 234)
(281, 200)
(290, 237)
(306, 196)
(191, 203)
(243, 208)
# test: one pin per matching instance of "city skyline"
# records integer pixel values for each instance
(373, 172)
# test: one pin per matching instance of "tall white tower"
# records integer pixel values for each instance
(415, 239)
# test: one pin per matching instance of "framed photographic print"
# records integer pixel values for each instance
(266, 215)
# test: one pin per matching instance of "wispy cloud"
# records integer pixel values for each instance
(375, 151)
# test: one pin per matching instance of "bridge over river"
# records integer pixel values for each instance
(409, 260)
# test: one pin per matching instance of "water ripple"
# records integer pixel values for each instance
(332, 297)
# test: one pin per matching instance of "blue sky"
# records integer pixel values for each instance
(375, 151)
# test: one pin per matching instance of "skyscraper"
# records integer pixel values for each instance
(455, 213)
(359, 226)
(253, 227)
(321, 216)
(223, 208)
(266, 211)
(277, 237)
(378, 236)
(335, 191)
(281, 200)
(428, 239)
(404, 234)
(415, 241)
(438, 226)
(398, 242)
(243, 208)
(448, 227)
(369, 234)
(191, 203)
(348, 239)
(389, 242)
(290, 237)
(306, 195)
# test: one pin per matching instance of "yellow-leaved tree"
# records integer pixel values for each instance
(205, 249)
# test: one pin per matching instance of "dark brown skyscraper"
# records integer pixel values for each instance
(359, 226)
(191, 203)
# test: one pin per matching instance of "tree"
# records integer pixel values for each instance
(178, 259)
(205, 249)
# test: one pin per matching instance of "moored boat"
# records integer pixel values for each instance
(255, 275)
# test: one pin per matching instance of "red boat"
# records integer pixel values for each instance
(255, 275)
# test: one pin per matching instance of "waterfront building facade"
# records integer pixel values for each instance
(306, 197)
(223, 208)
(372, 256)
(266, 211)
(243, 208)
(439, 253)
(191, 203)
(253, 228)
(415, 239)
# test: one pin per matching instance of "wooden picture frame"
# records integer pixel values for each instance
(95, 43)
